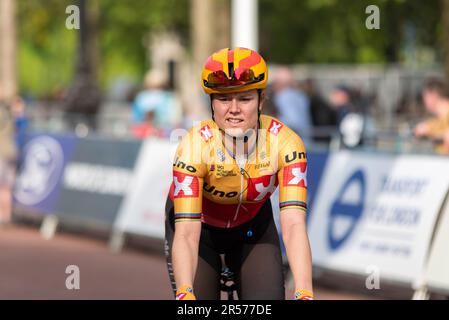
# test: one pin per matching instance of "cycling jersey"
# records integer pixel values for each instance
(243, 253)
(211, 186)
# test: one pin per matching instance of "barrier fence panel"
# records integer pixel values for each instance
(378, 212)
(41, 167)
(142, 211)
(436, 276)
(96, 180)
(78, 180)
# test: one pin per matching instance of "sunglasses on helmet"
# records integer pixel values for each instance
(219, 79)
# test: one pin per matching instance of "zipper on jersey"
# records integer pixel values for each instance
(241, 162)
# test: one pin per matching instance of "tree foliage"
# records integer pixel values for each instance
(333, 31)
(47, 49)
(291, 31)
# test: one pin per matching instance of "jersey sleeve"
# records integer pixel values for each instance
(292, 174)
(188, 175)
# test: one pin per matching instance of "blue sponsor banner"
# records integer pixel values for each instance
(42, 160)
(79, 179)
(350, 211)
(378, 210)
(316, 162)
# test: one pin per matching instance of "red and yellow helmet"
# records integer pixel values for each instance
(235, 70)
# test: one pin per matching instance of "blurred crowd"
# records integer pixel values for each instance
(343, 116)
(155, 110)
(346, 114)
(436, 101)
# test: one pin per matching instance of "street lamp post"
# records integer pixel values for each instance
(83, 99)
(8, 75)
(245, 24)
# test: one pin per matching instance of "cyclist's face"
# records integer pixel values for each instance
(236, 112)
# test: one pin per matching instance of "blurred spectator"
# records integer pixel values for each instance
(146, 128)
(354, 124)
(323, 116)
(155, 106)
(18, 111)
(8, 154)
(436, 101)
(341, 102)
(268, 106)
(292, 104)
(445, 146)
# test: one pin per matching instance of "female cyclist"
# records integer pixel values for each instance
(224, 172)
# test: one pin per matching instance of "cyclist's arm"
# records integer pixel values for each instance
(185, 251)
(188, 175)
(296, 241)
(293, 206)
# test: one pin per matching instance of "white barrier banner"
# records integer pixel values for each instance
(143, 209)
(377, 212)
(437, 271)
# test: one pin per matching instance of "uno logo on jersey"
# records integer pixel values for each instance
(206, 133)
(275, 127)
(296, 155)
(184, 185)
(296, 175)
(182, 165)
(261, 188)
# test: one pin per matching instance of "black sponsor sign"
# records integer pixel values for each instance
(96, 179)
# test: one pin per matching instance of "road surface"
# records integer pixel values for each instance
(34, 268)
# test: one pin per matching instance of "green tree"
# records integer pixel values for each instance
(291, 31)
(47, 48)
(125, 25)
(331, 31)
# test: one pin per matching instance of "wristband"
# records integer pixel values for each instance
(185, 292)
(303, 294)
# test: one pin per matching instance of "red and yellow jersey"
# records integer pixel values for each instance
(209, 184)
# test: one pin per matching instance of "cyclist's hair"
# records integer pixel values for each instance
(437, 85)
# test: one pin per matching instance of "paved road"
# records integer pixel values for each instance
(34, 268)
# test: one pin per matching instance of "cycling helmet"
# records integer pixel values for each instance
(237, 70)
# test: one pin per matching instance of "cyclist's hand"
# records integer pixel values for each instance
(303, 294)
(185, 292)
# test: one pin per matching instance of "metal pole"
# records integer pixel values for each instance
(8, 75)
(202, 32)
(245, 24)
(83, 100)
